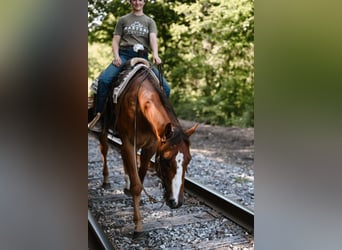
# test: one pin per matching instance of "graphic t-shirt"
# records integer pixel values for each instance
(135, 29)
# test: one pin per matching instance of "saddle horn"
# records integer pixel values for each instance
(137, 60)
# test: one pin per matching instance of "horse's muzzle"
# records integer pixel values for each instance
(173, 204)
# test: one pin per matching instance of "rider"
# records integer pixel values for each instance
(134, 36)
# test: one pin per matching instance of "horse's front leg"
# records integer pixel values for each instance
(104, 151)
(138, 230)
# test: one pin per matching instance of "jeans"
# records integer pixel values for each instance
(107, 76)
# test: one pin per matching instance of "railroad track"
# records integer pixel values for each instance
(216, 222)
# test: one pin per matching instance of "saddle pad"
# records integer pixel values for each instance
(118, 90)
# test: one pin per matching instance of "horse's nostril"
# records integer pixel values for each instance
(172, 203)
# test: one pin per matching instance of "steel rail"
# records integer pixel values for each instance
(96, 237)
(230, 209)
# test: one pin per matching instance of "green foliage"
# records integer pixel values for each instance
(207, 48)
(215, 39)
(99, 57)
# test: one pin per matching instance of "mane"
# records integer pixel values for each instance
(177, 136)
(163, 98)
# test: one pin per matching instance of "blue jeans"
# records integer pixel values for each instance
(107, 76)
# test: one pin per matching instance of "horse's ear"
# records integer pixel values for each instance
(190, 131)
(167, 133)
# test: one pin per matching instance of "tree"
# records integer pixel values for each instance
(215, 39)
(207, 48)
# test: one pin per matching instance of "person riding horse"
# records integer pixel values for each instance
(135, 35)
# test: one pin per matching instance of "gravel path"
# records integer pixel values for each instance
(223, 160)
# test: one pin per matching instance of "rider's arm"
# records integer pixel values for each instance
(115, 47)
(154, 47)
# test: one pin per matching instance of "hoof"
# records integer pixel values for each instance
(106, 185)
(139, 235)
(127, 192)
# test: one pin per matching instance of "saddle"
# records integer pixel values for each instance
(131, 67)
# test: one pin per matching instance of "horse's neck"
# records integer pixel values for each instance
(155, 112)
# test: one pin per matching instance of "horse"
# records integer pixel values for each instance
(145, 119)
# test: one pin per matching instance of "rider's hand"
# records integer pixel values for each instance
(117, 61)
(156, 60)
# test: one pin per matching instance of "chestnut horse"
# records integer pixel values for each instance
(145, 120)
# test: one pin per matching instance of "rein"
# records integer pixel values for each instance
(160, 77)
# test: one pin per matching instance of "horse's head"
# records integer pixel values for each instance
(172, 160)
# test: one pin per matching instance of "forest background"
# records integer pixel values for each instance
(207, 49)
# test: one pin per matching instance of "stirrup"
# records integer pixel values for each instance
(94, 121)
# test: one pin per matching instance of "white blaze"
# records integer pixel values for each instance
(177, 179)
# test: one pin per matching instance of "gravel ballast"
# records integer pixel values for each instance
(222, 159)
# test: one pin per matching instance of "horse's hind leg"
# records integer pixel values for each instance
(145, 158)
(127, 187)
(104, 151)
